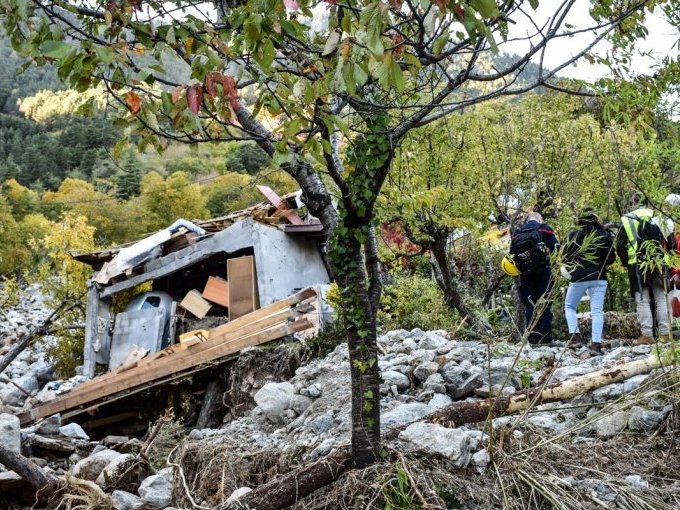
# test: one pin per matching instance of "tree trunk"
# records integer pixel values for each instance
(363, 353)
(449, 286)
(286, 490)
(26, 469)
(518, 318)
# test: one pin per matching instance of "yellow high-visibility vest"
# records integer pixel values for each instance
(631, 222)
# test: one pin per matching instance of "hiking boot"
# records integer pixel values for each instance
(576, 339)
(644, 340)
(595, 348)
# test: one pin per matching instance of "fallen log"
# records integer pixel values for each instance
(286, 490)
(26, 469)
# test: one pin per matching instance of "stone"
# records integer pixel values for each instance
(274, 399)
(394, 378)
(125, 501)
(323, 449)
(49, 426)
(300, 403)
(543, 421)
(481, 460)
(611, 425)
(74, 431)
(403, 414)
(60, 446)
(432, 341)
(637, 482)
(11, 395)
(322, 424)
(569, 371)
(439, 400)
(10, 432)
(112, 469)
(314, 390)
(42, 371)
(435, 383)
(238, 493)
(425, 370)
(460, 381)
(644, 420)
(114, 440)
(432, 439)
(156, 490)
(90, 467)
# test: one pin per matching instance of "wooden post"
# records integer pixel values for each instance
(91, 331)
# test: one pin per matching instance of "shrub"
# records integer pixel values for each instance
(411, 301)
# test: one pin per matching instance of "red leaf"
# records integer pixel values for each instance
(230, 91)
(442, 4)
(133, 102)
(210, 79)
(332, 2)
(194, 98)
(177, 93)
(292, 5)
(398, 41)
(460, 11)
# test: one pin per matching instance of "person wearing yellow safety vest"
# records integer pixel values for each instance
(639, 227)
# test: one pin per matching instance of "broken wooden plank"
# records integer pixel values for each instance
(280, 205)
(217, 291)
(163, 368)
(242, 286)
(195, 304)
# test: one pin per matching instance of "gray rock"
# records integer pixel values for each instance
(637, 482)
(634, 383)
(314, 390)
(611, 425)
(543, 421)
(570, 371)
(481, 460)
(125, 501)
(114, 440)
(112, 469)
(156, 490)
(74, 431)
(460, 382)
(643, 420)
(431, 439)
(435, 383)
(49, 426)
(10, 432)
(90, 467)
(274, 399)
(238, 493)
(42, 371)
(439, 400)
(425, 370)
(13, 396)
(432, 341)
(300, 403)
(403, 414)
(323, 449)
(322, 424)
(394, 378)
(421, 356)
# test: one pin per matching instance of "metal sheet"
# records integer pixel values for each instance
(143, 328)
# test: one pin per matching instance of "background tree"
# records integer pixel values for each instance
(375, 71)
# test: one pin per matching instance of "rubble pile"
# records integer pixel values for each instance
(309, 415)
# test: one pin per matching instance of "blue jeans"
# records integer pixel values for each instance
(596, 290)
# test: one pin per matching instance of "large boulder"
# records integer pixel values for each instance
(74, 431)
(432, 439)
(403, 414)
(14, 396)
(274, 399)
(157, 489)
(113, 469)
(10, 432)
(393, 378)
(432, 341)
(90, 467)
(125, 501)
(50, 425)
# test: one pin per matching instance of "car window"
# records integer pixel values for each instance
(151, 302)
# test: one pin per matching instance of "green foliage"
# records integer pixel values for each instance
(128, 179)
(411, 301)
(246, 158)
(397, 494)
(166, 200)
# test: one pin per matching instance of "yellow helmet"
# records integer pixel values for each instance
(509, 267)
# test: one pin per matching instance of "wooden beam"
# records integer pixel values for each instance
(91, 334)
(164, 367)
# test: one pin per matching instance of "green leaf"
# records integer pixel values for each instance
(55, 49)
(397, 77)
(486, 8)
(170, 36)
(439, 44)
(268, 54)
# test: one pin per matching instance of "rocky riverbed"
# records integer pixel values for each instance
(308, 416)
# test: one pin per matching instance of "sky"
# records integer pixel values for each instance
(661, 41)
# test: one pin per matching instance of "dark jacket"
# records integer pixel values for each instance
(547, 236)
(588, 252)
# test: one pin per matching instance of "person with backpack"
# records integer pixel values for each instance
(530, 249)
(587, 253)
(641, 234)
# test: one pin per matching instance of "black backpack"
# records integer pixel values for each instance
(647, 230)
(531, 255)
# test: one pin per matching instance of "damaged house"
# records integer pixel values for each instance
(191, 295)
